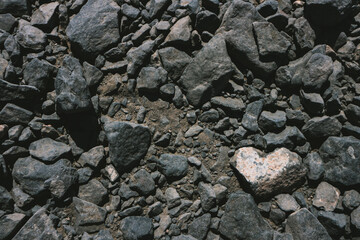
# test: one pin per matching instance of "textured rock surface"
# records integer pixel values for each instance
(268, 174)
(128, 143)
(95, 28)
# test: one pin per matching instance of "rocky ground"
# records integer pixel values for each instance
(179, 119)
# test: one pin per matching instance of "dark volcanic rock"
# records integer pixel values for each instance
(200, 226)
(174, 61)
(6, 200)
(340, 156)
(38, 73)
(12, 92)
(150, 79)
(39, 226)
(88, 216)
(242, 219)
(137, 57)
(137, 228)
(34, 177)
(312, 71)
(48, 150)
(72, 92)
(207, 74)
(95, 28)
(93, 192)
(12, 114)
(128, 143)
(321, 127)
(238, 31)
(45, 17)
(142, 182)
(173, 166)
(270, 41)
(303, 225)
(10, 224)
(31, 38)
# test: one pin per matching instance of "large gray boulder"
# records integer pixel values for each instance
(95, 28)
(208, 73)
(128, 143)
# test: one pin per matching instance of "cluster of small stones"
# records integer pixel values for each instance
(179, 119)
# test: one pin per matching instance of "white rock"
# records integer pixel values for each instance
(276, 172)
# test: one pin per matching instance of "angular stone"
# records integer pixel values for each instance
(128, 143)
(150, 79)
(272, 44)
(92, 74)
(180, 33)
(173, 166)
(249, 120)
(315, 166)
(326, 197)
(137, 57)
(312, 102)
(142, 182)
(207, 74)
(233, 106)
(31, 38)
(304, 35)
(207, 196)
(270, 122)
(266, 174)
(207, 21)
(287, 203)
(334, 223)
(200, 226)
(95, 28)
(12, 114)
(13, 92)
(93, 192)
(136, 227)
(302, 224)
(38, 73)
(93, 157)
(10, 224)
(34, 177)
(39, 226)
(48, 150)
(130, 11)
(88, 216)
(238, 31)
(340, 156)
(312, 71)
(157, 7)
(72, 92)
(321, 127)
(172, 198)
(290, 137)
(242, 219)
(45, 16)
(174, 61)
